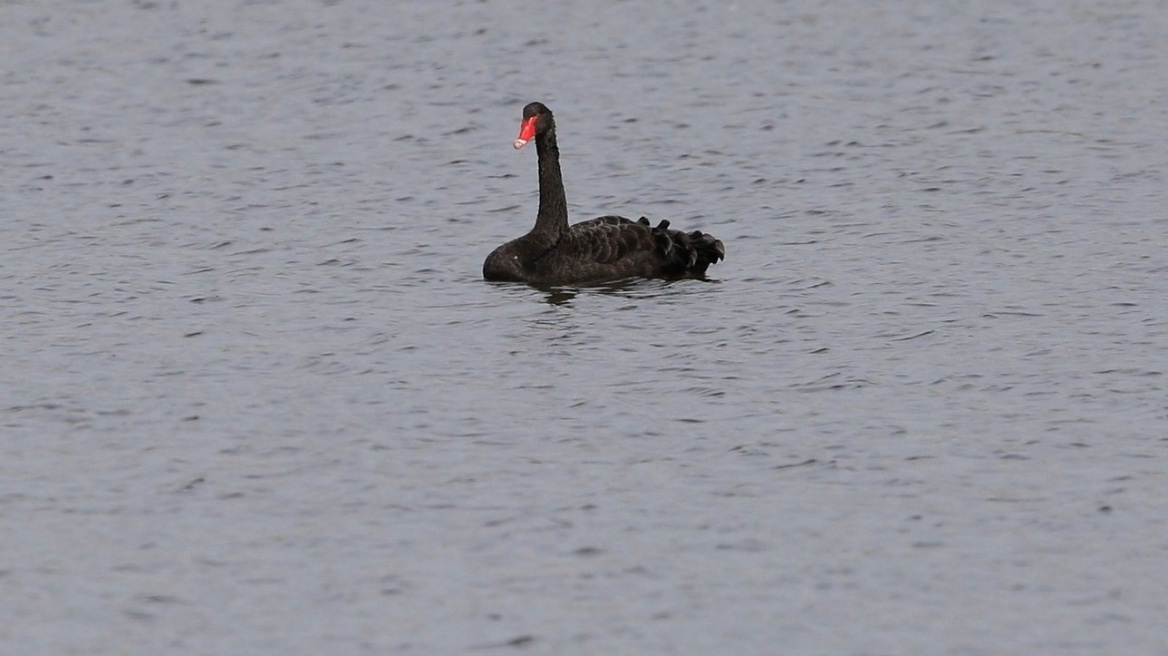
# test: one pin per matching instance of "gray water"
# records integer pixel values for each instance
(257, 399)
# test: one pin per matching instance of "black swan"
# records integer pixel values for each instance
(602, 249)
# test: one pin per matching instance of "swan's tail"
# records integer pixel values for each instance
(706, 251)
(692, 253)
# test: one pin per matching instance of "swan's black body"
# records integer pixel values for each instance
(599, 250)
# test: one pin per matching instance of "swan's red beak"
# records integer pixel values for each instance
(526, 132)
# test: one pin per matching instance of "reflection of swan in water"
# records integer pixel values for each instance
(602, 249)
(630, 288)
(560, 296)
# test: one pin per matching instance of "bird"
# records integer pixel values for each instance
(603, 249)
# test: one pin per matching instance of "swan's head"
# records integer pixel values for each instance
(537, 119)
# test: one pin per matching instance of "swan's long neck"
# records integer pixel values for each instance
(552, 218)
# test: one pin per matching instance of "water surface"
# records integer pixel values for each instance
(257, 398)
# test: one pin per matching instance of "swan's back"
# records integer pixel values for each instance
(606, 248)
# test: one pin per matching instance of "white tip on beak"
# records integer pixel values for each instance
(519, 143)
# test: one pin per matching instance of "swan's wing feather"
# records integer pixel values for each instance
(610, 239)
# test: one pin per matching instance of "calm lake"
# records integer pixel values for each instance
(257, 399)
